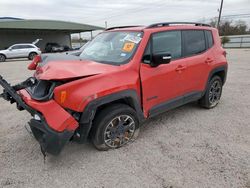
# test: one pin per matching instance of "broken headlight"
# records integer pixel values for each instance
(42, 90)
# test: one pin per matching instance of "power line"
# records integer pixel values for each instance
(236, 15)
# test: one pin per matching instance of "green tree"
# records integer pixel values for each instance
(224, 40)
(228, 27)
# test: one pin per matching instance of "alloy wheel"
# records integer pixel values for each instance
(119, 131)
(215, 93)
(2, 58)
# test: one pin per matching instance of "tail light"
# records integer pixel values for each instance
(42, 90)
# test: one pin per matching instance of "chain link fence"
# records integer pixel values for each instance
(238, 41)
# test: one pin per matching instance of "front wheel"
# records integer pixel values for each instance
(213, 93)
(114, 127)
(2, 58)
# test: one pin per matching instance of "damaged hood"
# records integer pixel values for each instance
(71, 67)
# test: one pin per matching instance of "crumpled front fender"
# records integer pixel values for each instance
(56, 117)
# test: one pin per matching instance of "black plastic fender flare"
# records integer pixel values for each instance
(214, 71)
(90, 110)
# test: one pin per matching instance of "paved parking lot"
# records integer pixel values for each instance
(186, 147)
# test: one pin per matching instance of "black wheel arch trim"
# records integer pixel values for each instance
(90, 110)
(3, 55)
(219, 69)
(213, 72)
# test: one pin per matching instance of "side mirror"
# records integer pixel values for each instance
(160, 58)
(10, 49)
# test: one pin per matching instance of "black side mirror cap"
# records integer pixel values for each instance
(147, 59)
(160, 58)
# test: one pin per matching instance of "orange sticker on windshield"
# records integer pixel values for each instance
(128, 46)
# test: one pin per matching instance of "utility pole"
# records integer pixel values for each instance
(218, 23)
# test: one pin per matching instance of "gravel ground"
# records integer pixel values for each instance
(186, 147)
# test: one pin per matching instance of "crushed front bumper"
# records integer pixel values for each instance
(52, 126)
(49, 140)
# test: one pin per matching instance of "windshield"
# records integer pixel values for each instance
(84, 46)
(112, 47)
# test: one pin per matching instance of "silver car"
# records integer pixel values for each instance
(20, 51)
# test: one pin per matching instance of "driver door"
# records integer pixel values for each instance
(162, 85)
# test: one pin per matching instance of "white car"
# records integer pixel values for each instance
(20, 51)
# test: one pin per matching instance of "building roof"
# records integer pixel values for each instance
(9, 18)
(47, 25)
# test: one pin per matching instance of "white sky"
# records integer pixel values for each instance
(122, 12)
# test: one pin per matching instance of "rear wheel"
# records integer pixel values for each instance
(213, 93)
(114, 127)
(2, 58)
(32, 55)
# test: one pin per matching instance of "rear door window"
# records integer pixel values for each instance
(194, 42)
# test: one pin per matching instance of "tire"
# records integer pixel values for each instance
(213, 93)
(2, 58)
(114, 127)
(32, 55)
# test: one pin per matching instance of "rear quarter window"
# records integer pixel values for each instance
(194, 42)
(210, 40)
(28, 46)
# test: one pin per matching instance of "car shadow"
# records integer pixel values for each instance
(74, 150)
(19, 59)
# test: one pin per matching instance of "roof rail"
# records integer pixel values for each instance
(121, 27)
(177, 23)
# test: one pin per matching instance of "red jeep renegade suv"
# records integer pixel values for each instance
(123, 77)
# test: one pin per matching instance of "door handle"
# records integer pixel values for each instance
(180, 68)
(209, 60)
(166, 57)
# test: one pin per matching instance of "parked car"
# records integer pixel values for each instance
(20, 51)
(123, 77)
(76, 52)
(55, 47)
